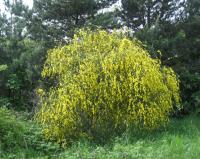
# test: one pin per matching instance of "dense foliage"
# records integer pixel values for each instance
(179, 44)
(11, 131)
(103, 83)
(27, 33)
(169, 31)
(180, 136)
(17, 134)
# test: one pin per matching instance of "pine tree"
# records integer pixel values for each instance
(54, 20)
(144, 13)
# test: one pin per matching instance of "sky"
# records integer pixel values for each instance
(116, 5)
(29, 3)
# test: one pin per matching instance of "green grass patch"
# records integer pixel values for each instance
(180, 140)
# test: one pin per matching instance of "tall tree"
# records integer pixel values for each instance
(54, 20)
(22, 56)
(144, 13)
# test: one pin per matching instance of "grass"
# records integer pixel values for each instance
(180, 140)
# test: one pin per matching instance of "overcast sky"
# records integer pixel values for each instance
(26, 2)
(30, 4)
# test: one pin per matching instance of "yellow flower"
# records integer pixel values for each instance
(103, 84)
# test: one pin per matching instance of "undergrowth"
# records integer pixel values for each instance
(179, 140)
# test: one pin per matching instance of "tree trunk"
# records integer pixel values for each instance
(76, 20)
(149, 14)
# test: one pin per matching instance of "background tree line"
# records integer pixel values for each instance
(170, 30)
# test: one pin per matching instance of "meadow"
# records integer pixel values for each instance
(180, 139)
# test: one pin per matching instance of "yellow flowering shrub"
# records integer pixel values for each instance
(104, 83)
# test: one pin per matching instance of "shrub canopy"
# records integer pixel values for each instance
(102, 83)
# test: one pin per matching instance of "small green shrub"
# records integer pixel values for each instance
(5, 102)
(11, 131)
(19, 134)
(101, 84)
(35, 140)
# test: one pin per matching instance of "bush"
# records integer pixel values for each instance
(11, 131)
(17, 134)
(102, 83)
